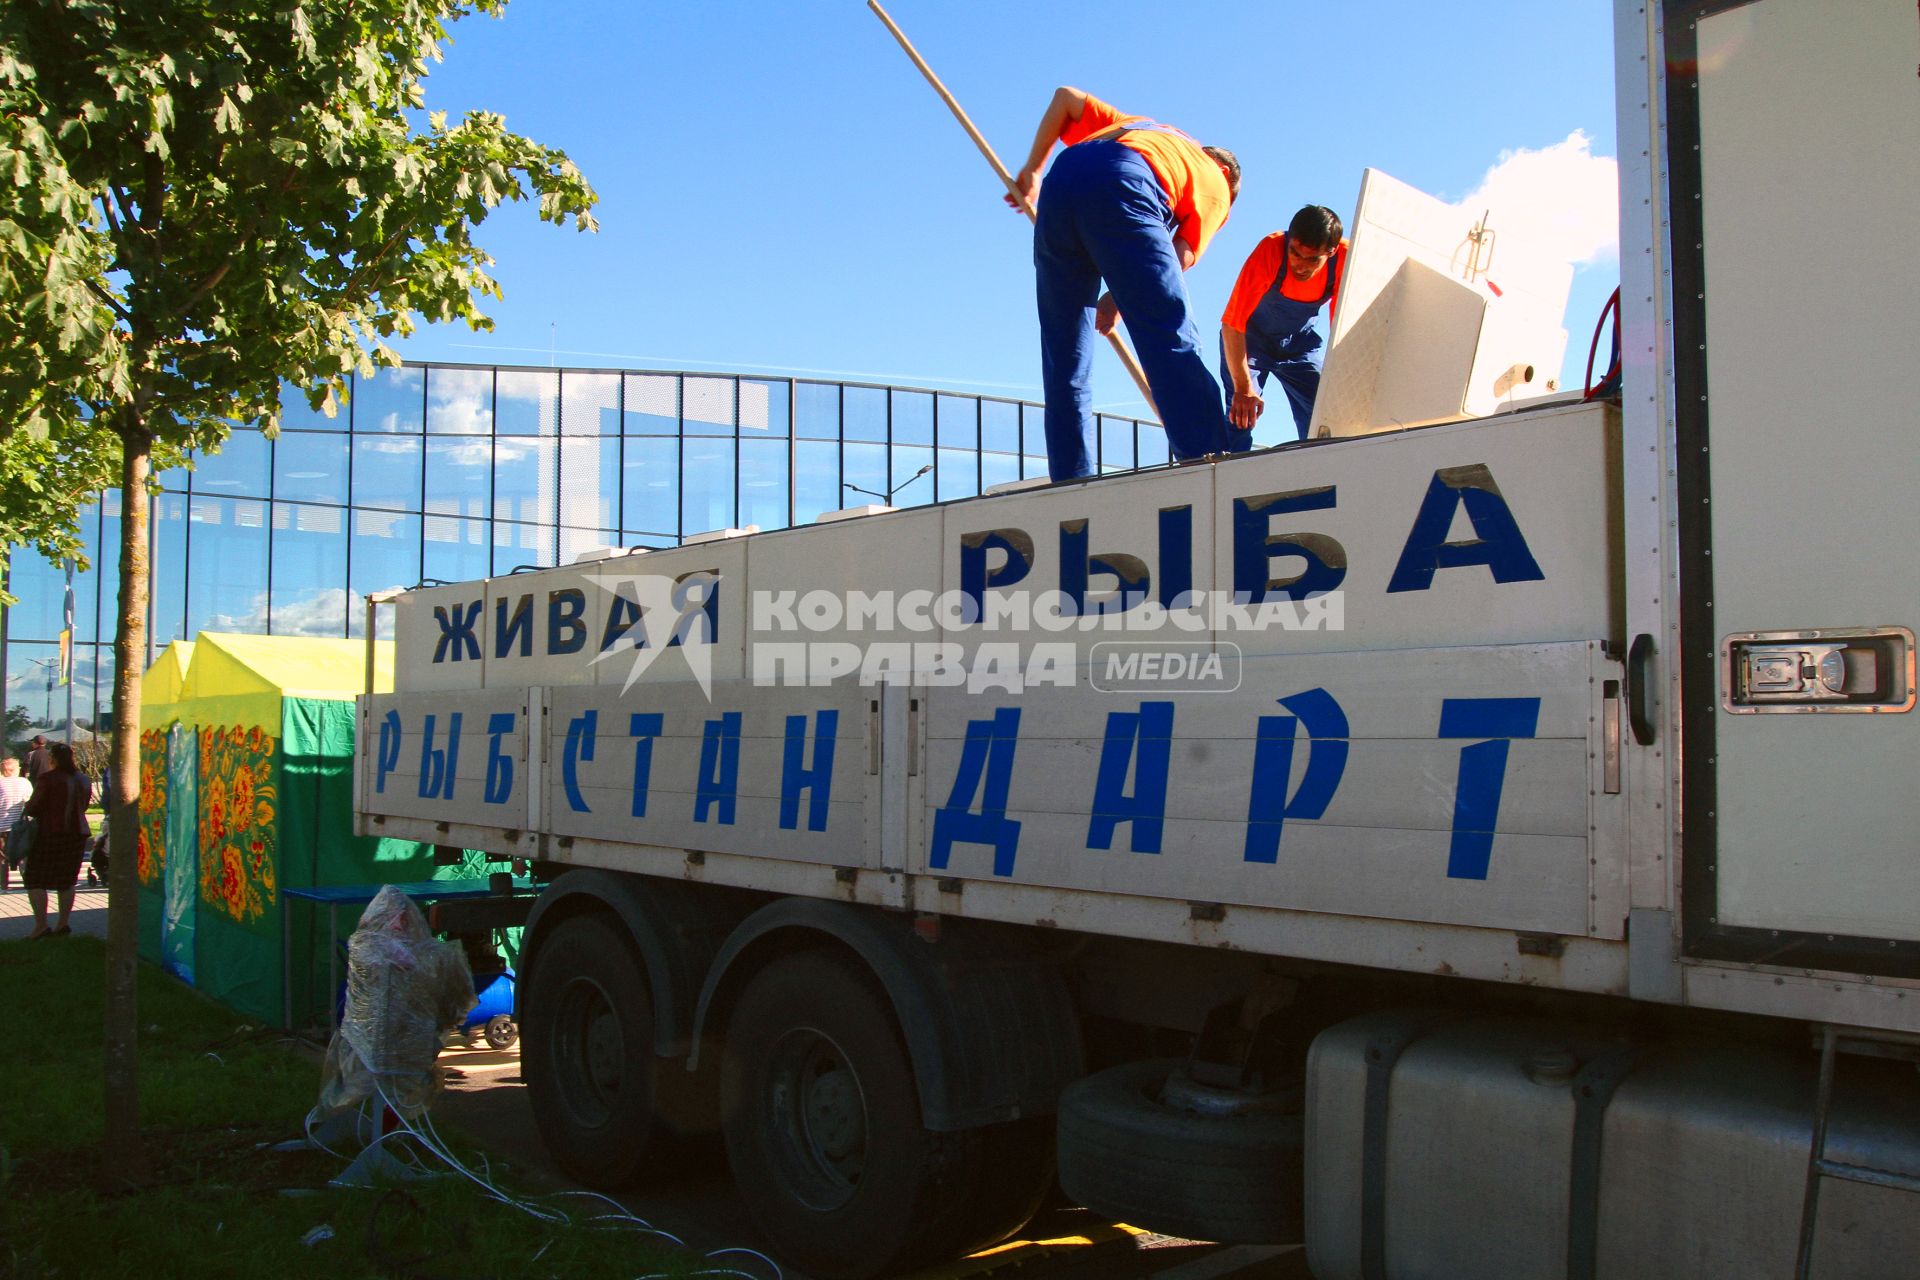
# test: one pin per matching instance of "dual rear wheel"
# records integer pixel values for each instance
(819, 1108)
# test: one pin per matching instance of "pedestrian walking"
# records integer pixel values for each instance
(59, 804)
(14, 792)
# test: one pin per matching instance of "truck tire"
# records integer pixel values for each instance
(1236, 1179)
(824, 1134)
(587, 1053)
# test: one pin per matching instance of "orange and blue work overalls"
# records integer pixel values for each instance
(1281, 341)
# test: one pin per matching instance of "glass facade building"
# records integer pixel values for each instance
(452, 472)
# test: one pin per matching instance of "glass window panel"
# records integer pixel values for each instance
(708, 406)
(911, 487)
(816, 481)
(1000, 426)
(385, 555)
(453, 549)
(524, 480)
(389, 400)
(589, 404)
(311, 466)
(912, 417)
(32, 683)
(297, 415)
(309, 591)
(240, 468)
(459, 476)
(763, 407)
(526, 402)
(959, 424)
(589, 480)
(166, 561)
(998, 468)
(227, 565)
(86, 582)
(647, 540)
(866, 413)
(386, 470)
(1116, 444)
(816, 410)
(515, 545)
(957, 474)
(106, 566)
(1153, 446)
(866, 468)
(706, 486)
(1032, 467)
(173, 479)
(652, 405)
(763, 483)
(650, 488)
(39, 585)
(575, 541)
(460, 401)
(93, 696)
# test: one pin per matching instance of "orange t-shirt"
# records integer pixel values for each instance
(1269, 259)
(1196, 189)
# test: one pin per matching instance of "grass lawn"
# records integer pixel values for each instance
(215, 1093)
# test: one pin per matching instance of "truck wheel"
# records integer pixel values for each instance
(823, 1130)
(1124, 1153)
(588, 1053)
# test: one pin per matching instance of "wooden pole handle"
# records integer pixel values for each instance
(1006, 179)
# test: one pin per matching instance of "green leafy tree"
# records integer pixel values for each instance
(199, 201)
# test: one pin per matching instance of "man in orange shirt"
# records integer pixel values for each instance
(1133, 202)
(1287, 279)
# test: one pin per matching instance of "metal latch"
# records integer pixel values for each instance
(1824, 670)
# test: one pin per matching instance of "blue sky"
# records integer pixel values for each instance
(781, 191)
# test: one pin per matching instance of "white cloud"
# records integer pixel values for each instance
(1563, 195)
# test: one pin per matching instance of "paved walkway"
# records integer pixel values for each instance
(16, 916)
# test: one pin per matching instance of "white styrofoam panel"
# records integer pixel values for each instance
(490, 782)
(1401, 351)
(673, 815)
(670, 585)
(1805, 111)
(1382, 841)
(1554, 470)
(806, 582)
(542, 628)
(1118, 516)
(438, 637)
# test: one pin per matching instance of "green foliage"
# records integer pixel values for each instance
(202, 198)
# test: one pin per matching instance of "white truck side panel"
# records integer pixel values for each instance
(1810, 380)
(1349, 783)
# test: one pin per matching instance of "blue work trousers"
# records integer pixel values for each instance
(1103, 215)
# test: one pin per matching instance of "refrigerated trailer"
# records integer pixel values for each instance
(1480, 849)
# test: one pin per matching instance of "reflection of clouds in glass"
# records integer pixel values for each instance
(460, 401)
(386, 444)
(526, 402)
(316, 612)
(474, 453)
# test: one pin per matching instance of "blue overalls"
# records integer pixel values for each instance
(1104, 215)
(1282, 342)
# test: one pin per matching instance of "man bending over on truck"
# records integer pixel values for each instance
(1267, 328)
(1132, 202)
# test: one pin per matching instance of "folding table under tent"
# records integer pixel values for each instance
(246, 786)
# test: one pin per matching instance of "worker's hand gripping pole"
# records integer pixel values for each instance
(1006, 179)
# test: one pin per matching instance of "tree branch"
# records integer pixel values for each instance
(118, 309)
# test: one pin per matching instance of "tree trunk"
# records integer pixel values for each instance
(123, 1153)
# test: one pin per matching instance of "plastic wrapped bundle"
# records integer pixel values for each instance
(405, 990)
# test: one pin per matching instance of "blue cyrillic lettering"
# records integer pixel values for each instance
(388, 755)
(1255, 549)
(795, 777)
(986, 754)
(1483, 773)
(457, 638)
(719, 782)
(1497, 542)
(499, 764)
(1268, 807)
(579, 746)
(566, 633)
(1145, 738)
(643, 727)
(519, 627)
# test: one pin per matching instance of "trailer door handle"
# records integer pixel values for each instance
(1639, 695)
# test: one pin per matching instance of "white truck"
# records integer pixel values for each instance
(1487, 848)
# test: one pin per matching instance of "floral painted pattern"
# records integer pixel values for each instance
(238, 812)
(150, 842)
